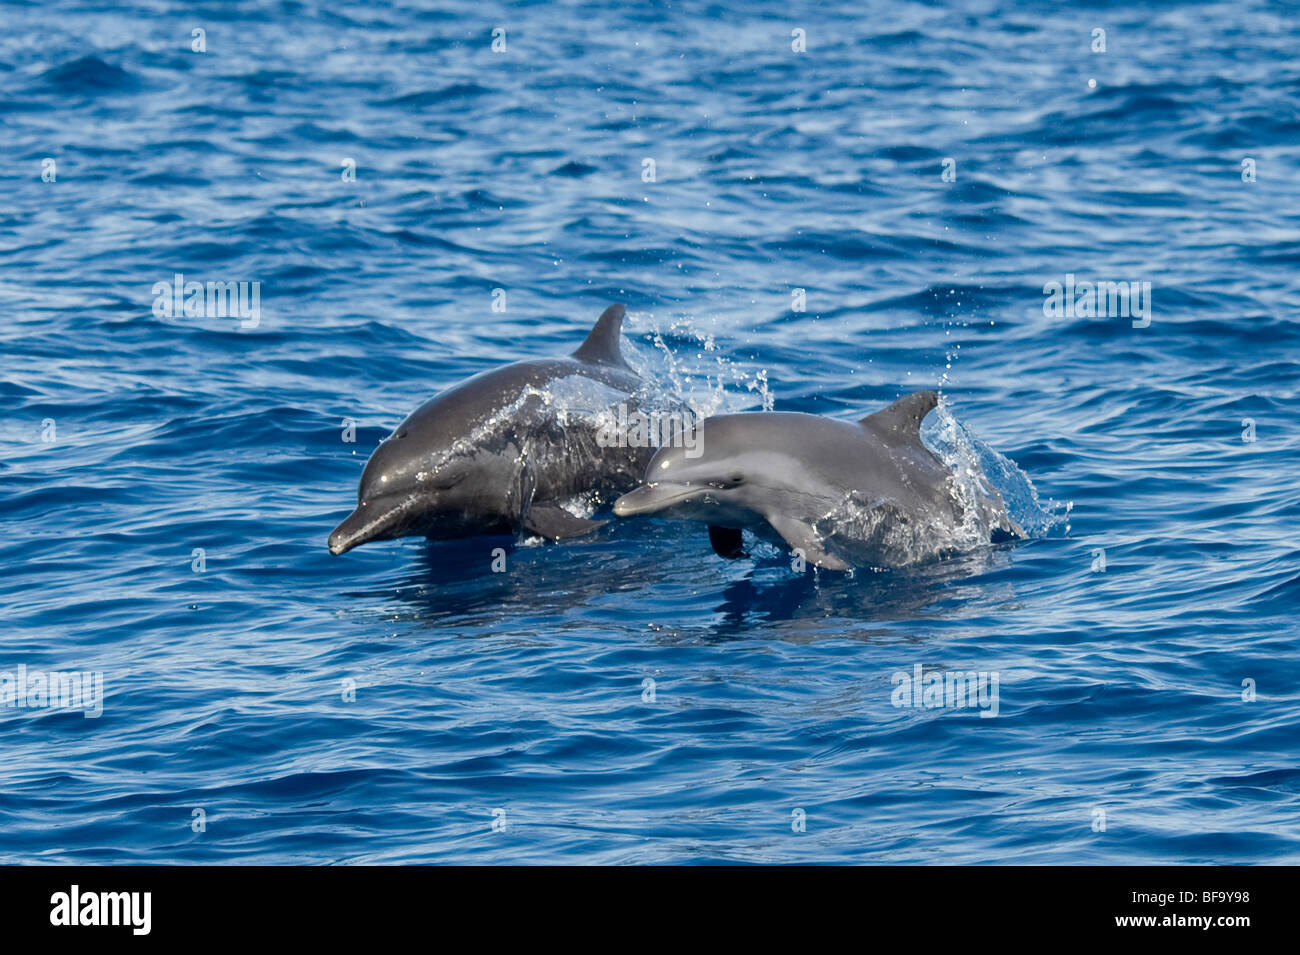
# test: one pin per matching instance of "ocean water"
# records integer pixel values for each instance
(167, 482)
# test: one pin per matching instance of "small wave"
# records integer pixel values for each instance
(89, 75)
(456, 91)
(573, 170)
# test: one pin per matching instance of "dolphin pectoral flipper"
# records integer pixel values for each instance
(727, 542)
(555, 523)
(802, 537)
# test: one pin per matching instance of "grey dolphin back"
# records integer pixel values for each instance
(601, 346)
(900, 423)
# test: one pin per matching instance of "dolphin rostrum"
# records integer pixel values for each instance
(842, 493)
(501, 452)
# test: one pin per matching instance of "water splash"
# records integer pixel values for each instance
(878, 533)
(687, 363)
(979, 469)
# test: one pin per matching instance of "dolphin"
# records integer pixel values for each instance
(841, 492)
(498, 453)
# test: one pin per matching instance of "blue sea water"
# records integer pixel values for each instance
(167, 483)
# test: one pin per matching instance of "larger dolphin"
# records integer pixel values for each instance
(840, 492)
(498, 454)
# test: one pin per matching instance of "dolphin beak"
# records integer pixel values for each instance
(650, 498)
(348, 534)
(370, 521)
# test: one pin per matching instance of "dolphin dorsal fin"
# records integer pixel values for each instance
(902, 419)
(601, 346)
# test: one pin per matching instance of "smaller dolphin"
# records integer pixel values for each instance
(498, 453)
(867, 491)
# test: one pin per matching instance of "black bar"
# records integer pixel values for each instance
(946, 905)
